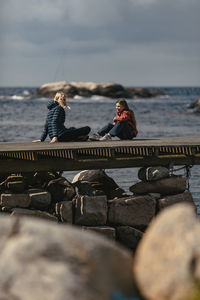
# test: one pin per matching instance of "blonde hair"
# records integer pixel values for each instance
(123, 103)
(61, 96)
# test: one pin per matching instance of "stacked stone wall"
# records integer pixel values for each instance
(93, 201)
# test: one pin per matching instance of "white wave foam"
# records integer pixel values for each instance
(100, 98)
(17, 97)
(77, 97)
(26, 93)
(94, 98)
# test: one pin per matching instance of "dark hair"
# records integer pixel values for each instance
(123, 103)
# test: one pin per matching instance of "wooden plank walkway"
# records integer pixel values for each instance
(29, 157)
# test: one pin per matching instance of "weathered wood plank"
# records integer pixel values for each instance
(173, 141)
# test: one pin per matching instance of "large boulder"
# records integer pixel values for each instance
(167, 260)
(135, 211)
(175, 184)
(89, 175)
(43, 260)
(91, 210)
(101, 182)
(87, 89)
(174, 199)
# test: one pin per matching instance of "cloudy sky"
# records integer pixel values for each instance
(132, 42)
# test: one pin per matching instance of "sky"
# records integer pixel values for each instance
(130, 42)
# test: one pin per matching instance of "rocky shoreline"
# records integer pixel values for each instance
(88, 89)
(94, 204)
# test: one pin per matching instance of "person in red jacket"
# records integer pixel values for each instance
(123, 126)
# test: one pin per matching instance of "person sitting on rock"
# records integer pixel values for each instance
(123, 126)
(54, 125)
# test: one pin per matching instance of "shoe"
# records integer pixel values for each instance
(106, 137)
(95, 137)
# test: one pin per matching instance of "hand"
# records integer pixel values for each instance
(36, 141)
(54, 140)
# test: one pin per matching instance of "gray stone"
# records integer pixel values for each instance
(84, 188)
(64, 211)
(153, 173)
(173, 199)
(33, 213)
(135, 211)
(40, 178)
(101, 182)
(16, 186)
(167, 260)
(59, 189)
(89, 175)
(14, 177)
(40, 200)
(166, 186)
(15, 200)
(91, 210)
(43, 260)
(106, 231)
(14, 183)
(129, 236)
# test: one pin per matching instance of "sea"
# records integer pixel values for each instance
(22, 117)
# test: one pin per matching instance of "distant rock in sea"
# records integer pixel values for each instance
(195, 105)
(88, 89)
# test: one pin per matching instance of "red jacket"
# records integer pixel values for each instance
(123, 116)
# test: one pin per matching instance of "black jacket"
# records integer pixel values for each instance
(54, 125)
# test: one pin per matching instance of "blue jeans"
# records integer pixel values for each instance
(72, 133)
(121, 129)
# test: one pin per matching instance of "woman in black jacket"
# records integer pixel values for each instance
(54, 125)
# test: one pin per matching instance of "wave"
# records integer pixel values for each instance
(26, 92)
(17, 97)
(13, 97)
(94, 98)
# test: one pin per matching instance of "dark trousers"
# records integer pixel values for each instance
(121, 129)
(73, 134)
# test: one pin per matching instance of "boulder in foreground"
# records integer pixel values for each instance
(42, 260)
(167, 261)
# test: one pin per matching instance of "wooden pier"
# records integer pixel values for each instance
(30, 157)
